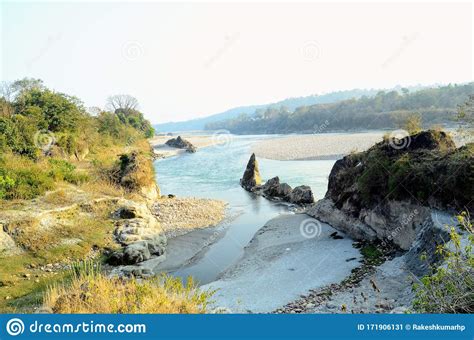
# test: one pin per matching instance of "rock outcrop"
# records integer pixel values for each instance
(387, 192)
(135, 174)
(273, 188)
(251, 178)
(181, 143)
(137, 229)
(139, 232)
(301, 195)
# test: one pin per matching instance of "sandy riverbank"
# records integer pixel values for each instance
(164, 151)
(310, 147)
(280, 264)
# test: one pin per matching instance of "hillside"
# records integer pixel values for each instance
(289, 104)
(385, 110)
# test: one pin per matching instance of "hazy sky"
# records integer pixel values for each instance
(188, 60)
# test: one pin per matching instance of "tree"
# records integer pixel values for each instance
(123, 102)
(51, 110)
(466, 112)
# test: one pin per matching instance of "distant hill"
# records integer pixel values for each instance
(290, 104)
(385, 110)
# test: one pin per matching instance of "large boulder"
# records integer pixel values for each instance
(302, 195)
(181, 143)
(131, 209)
(136, 253)
(251, 178)
(273, 188)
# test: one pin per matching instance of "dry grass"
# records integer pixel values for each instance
(59, 197)
(92, 292)
(67, 234)
(103, 187)
(70, 238)
(74, 225)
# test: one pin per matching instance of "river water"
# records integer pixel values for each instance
(214, 172)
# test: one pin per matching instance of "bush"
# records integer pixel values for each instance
(92, 292)
(450, 287)
(6, 184)
(22, 178)
(62, 170)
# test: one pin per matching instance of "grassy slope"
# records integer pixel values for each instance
(73, 233)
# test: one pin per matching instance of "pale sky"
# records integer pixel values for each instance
(184, 61)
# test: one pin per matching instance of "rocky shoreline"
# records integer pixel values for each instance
(163, 150)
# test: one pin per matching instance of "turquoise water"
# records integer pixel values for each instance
(214, 172)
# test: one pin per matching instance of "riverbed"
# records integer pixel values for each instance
(214, 172)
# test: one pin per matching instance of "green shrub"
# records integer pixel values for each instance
(450, 287)
(62, 170)
(6, 184)
(23, 178)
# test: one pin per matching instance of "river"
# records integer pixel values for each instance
(214, 172)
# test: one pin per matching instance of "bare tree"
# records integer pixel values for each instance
(94, 111)
(122, 101)
(6, 98)
(6, 90)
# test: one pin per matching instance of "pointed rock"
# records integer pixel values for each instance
(251, 177)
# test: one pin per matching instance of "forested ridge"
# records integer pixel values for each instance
(385, 110)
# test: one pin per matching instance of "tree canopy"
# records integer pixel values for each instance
(29, 112)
